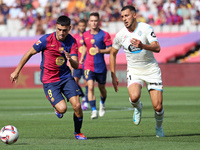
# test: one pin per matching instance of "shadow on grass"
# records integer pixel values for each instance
(137, 136)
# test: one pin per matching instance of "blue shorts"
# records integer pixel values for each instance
(55, 91)
(78, 73)
(99, 77)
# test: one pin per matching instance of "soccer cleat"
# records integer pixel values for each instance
(137, 115)
(84, 105)
(102, 109)
(159, 132)
(94, 114)
(59, 115)
(80, 136)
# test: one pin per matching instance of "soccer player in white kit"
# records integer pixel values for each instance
(139, 42)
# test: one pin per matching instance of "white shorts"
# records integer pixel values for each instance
(151, 76)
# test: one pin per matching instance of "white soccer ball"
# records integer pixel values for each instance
(9, 134)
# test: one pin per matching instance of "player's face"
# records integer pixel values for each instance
(93, 22)
(128, 17)
(81, 27)
(62, 32)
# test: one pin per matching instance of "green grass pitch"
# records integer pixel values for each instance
(40, 129)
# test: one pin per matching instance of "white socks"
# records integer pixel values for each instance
(136, 105)
(159, 118)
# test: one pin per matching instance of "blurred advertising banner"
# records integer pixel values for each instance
(172, 74)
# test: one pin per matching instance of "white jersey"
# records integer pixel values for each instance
(137, 58)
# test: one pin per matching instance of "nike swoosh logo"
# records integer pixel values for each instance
(77, 90)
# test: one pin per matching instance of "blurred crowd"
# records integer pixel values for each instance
(42, 14)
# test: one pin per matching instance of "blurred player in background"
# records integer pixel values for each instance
(77, 73)
(98, 43)
(57, 49)
(139, 42)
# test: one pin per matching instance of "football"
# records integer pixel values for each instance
(9, 134)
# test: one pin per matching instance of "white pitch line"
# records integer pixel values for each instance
(32, 114)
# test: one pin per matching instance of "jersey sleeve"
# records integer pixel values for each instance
(40, 45)
(107, 40)
(116, 42)
(74, 48)
(151, 35)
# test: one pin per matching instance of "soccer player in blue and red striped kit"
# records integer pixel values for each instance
(58, 49)
(96, 43)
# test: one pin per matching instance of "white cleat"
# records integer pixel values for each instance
(137, 115)
(102, 109)
(94, 114)
(159, 132)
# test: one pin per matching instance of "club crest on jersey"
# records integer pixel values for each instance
(60, 61)
(38, 42)
(92, 51)
(81, 41)
(61, 49)
(52, 99)
(92, 41)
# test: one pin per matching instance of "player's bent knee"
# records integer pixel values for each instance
(61, 109)
(158, 108)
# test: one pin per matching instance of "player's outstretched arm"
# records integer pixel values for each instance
(25, 58)
(115, 80)
(104, 51)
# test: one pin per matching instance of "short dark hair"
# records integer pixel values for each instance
(82, 21)
(96, 14)
(131, 8)
(63, 21)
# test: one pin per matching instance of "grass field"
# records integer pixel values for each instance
(40, 129)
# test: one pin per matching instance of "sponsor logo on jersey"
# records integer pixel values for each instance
(61, 49)
(60, 61)
(134, 49)
(38, 42)
(53, 45)
(92, 51)
(80, 49)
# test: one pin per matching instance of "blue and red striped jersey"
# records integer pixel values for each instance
(54, 63)
(95, 61)
(79, 41)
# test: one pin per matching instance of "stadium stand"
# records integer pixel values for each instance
(30, 18)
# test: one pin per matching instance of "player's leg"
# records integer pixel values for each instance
(78, 117)
(84, 105)
(157, 99)
(92, 99)
(77, 73)
(90, 78)
(72, 92)
(53, 94)
(134, 91)
(103, 95)
(101, 79)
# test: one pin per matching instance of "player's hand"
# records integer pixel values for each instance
(14, 77)
(115, 82)
(97, 50)
(136, 43)
(68, 56)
